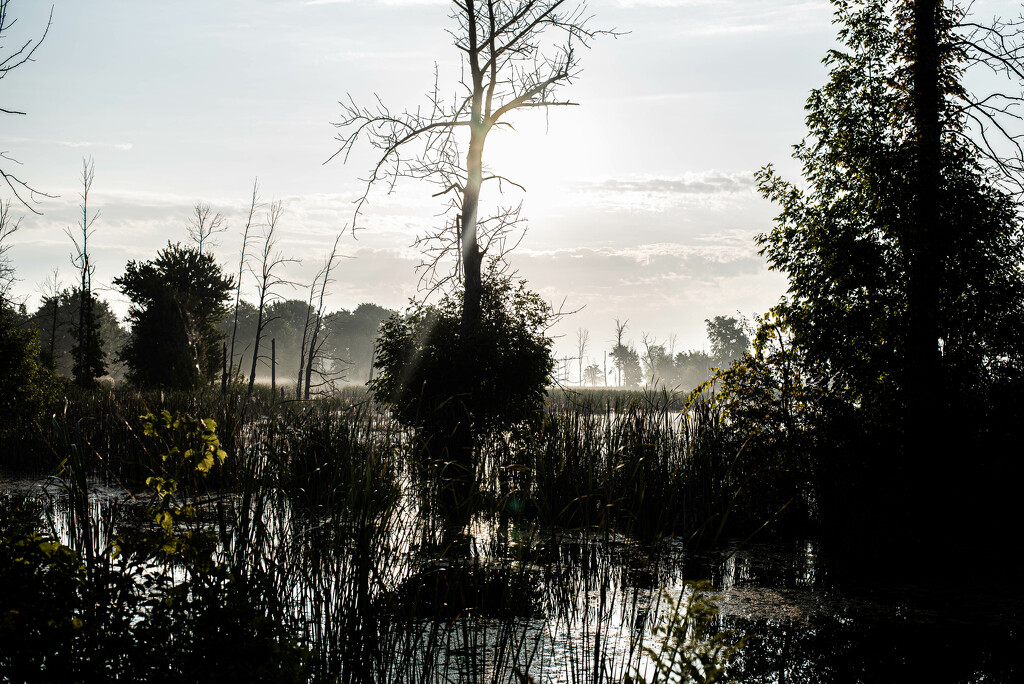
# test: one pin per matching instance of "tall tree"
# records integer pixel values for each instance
(582, 339)
(253, 205)
(511, 61)
(268, 279)
(55, 322)
(8, 225)
(903, 252)
(177, 300)
(314, 333)
(728, 337)
(88, 350)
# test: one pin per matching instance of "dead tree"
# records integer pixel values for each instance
(203, 225)
(310, 355)
(509, 65)
(8, 225)
(582, 339)
(9, 61)
(254, 203)
(620, 332)
(268, 279)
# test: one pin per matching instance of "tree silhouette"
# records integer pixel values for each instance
(178, 299)
(88, 351)
(906, 296)
(509, 66)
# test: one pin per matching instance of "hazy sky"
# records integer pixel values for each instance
(641, 201)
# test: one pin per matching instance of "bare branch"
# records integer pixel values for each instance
(23, 192)
(509, 64)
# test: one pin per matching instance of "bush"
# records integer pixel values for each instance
(442, 382)
(26, 386)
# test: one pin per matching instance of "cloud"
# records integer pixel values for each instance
(85, 143)
(710, 182)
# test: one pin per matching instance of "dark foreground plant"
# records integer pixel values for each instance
(153, 605)
(688, 651)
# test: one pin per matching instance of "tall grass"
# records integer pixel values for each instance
(324, 528)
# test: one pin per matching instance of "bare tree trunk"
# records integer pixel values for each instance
(472, 257)
(314, 349)
(927, 239)
(925, 444)
(241, 267)
(267, 280)
(302, 345)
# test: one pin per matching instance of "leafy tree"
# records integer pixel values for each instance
(846, 240)
(177, 301)
(849, 383)
(456, 387)
(87, 350)
(26, 386)
(729, 339)
(627, 363)
(692, 368)
(54, 323)
(352, 336)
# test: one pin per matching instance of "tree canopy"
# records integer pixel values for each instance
(847, 239)
(178, 299)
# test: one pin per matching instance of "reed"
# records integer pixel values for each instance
(332, 545)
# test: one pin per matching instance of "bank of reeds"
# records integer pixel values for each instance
(323, 529)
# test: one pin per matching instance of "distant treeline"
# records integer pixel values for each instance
(348, 337)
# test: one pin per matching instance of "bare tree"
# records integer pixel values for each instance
(620, 331)
(203, 225)
(9, 61)
(651, 349)
(582, 339)
(267, 281)
(312, 343)
(508, 65)
(254, 204)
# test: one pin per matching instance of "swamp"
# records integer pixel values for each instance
(197, 485)
(319, 549)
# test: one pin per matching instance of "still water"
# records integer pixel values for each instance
(500, 601)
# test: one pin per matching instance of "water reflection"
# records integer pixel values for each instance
(392, 596)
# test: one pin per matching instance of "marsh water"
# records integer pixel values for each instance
(498, 600)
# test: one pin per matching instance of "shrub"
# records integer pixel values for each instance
(438, 380)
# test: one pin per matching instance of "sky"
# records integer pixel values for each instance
(641, 201)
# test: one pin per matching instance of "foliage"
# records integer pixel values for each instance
(26, 386)
(688, 652)
(54, 321)
(435, 377)
(87, 351)
(155, 605)
(729, 339)
(177, 301)
(348, 337)
(627, 363)
(843, 241)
